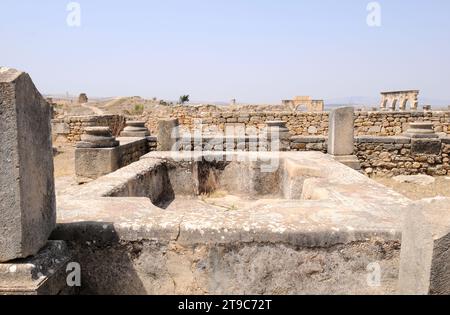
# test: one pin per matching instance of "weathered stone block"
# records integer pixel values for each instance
(42, 274)
(92, 163)
(425, 253)
(168, 134)
(341, 132)
(27, 192)
(426, 146)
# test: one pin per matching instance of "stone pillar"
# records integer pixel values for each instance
(29, 263)
(278, 136)
(135, 129)
(383, 103)
(415, 103)
(341, 137)
(96, 155)
(27, 193)
(393, 105)
(403, 103)
(168, 134)
(425, 252)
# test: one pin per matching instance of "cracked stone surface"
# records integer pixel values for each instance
(339, 210)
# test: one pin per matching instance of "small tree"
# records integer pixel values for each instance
(184, 99)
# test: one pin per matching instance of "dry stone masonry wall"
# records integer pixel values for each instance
(302, 123)
(299, 124)
(384, 152)
(71, 128)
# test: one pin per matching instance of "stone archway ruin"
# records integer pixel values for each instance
(389, 100)
(302, 103)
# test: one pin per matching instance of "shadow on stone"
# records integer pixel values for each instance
(106, 263)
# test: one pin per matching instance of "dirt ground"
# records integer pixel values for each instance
(441, 187)
(64, 163)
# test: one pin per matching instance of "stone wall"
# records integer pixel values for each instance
(300, 123)
(396, 123)
(71, 128)
(132, 151)
(92, 163)
(388, 156)
(380, 156)
(392, 156)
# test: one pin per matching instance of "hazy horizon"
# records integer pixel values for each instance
(254, 51)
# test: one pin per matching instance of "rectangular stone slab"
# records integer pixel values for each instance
(27, 193)
(341, 133)
(168, 134)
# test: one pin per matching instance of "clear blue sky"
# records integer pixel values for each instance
(216, 50)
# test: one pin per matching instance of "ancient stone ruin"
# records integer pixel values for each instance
(390, 100)
(341, 140)
(29, 263)
(171, 205)
(83, 99)
(305, 103)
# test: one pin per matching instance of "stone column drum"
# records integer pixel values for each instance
(27, 190)
(97, 154)
(421, 130)
(135, 129)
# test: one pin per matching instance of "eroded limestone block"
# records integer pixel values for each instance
(426, 146)
(27, 192)
(341, 137)
(425, 253)
(92, 163)
(341, 132)
(168, 134)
